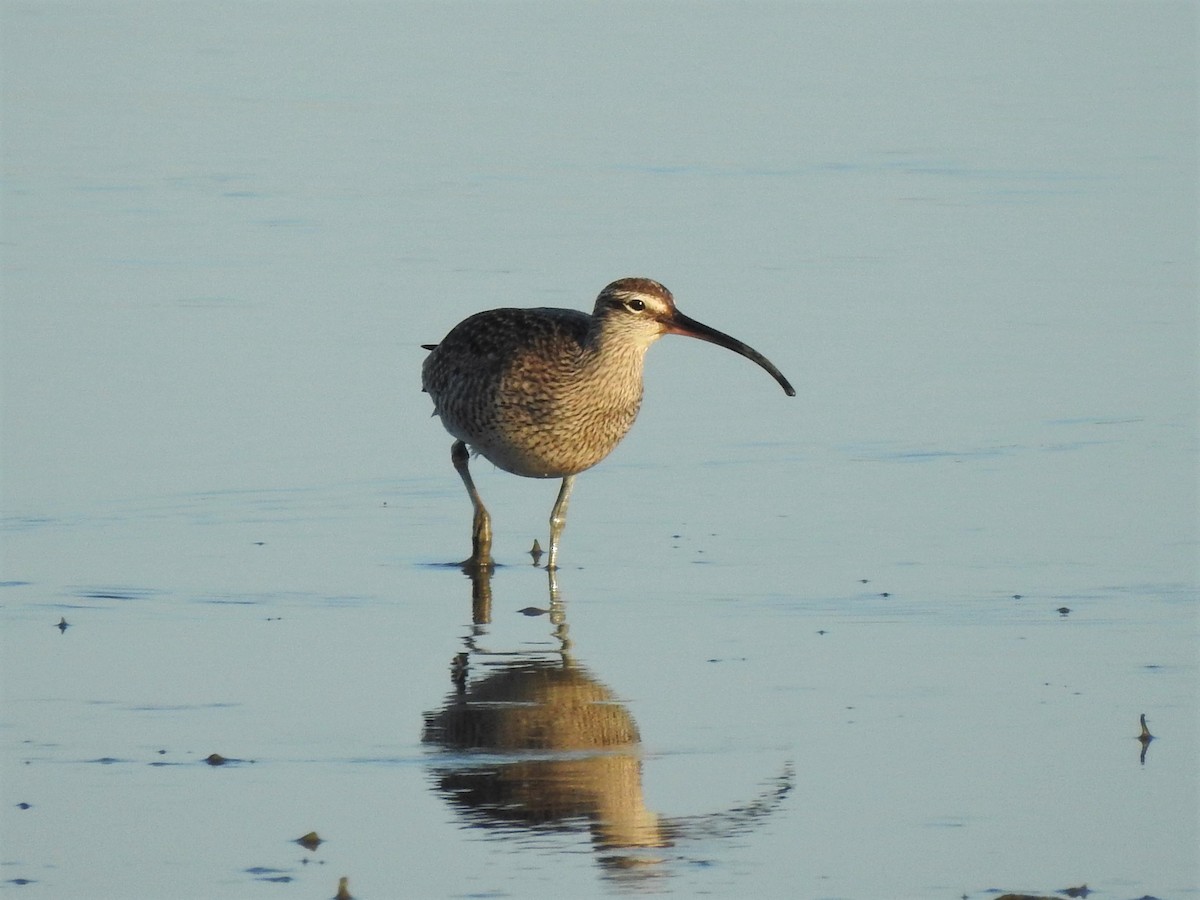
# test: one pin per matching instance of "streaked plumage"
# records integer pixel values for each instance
(548, 393)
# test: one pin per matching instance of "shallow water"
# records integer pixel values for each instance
(891, 637)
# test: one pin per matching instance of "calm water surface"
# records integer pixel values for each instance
(890, 638)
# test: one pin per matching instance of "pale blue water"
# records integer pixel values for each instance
(966, 233)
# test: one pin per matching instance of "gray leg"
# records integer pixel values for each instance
(558, 520)
(481, 526)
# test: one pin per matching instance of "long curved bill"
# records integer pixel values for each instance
(689, 327)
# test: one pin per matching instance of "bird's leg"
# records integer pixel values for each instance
(481, 525)
(558, 520)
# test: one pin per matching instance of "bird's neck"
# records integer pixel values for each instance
(614, 362)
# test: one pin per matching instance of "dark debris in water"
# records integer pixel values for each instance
(21, 881)
(62, 625)
(310, 841)
(216, 759)
(117, 593)
(265, 873)
(1145, 737)
(533, 611)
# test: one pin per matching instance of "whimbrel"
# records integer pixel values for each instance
(548, 393)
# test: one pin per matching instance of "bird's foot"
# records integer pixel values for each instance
(481, 541)
(478, 565)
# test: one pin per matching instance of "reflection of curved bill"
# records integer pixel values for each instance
(562, 752)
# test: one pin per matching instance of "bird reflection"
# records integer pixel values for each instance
(560, 752)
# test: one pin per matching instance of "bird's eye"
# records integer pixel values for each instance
(637, 305)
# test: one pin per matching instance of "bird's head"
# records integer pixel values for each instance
(640, 311)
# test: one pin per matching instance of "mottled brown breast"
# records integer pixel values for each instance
(526, 389)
